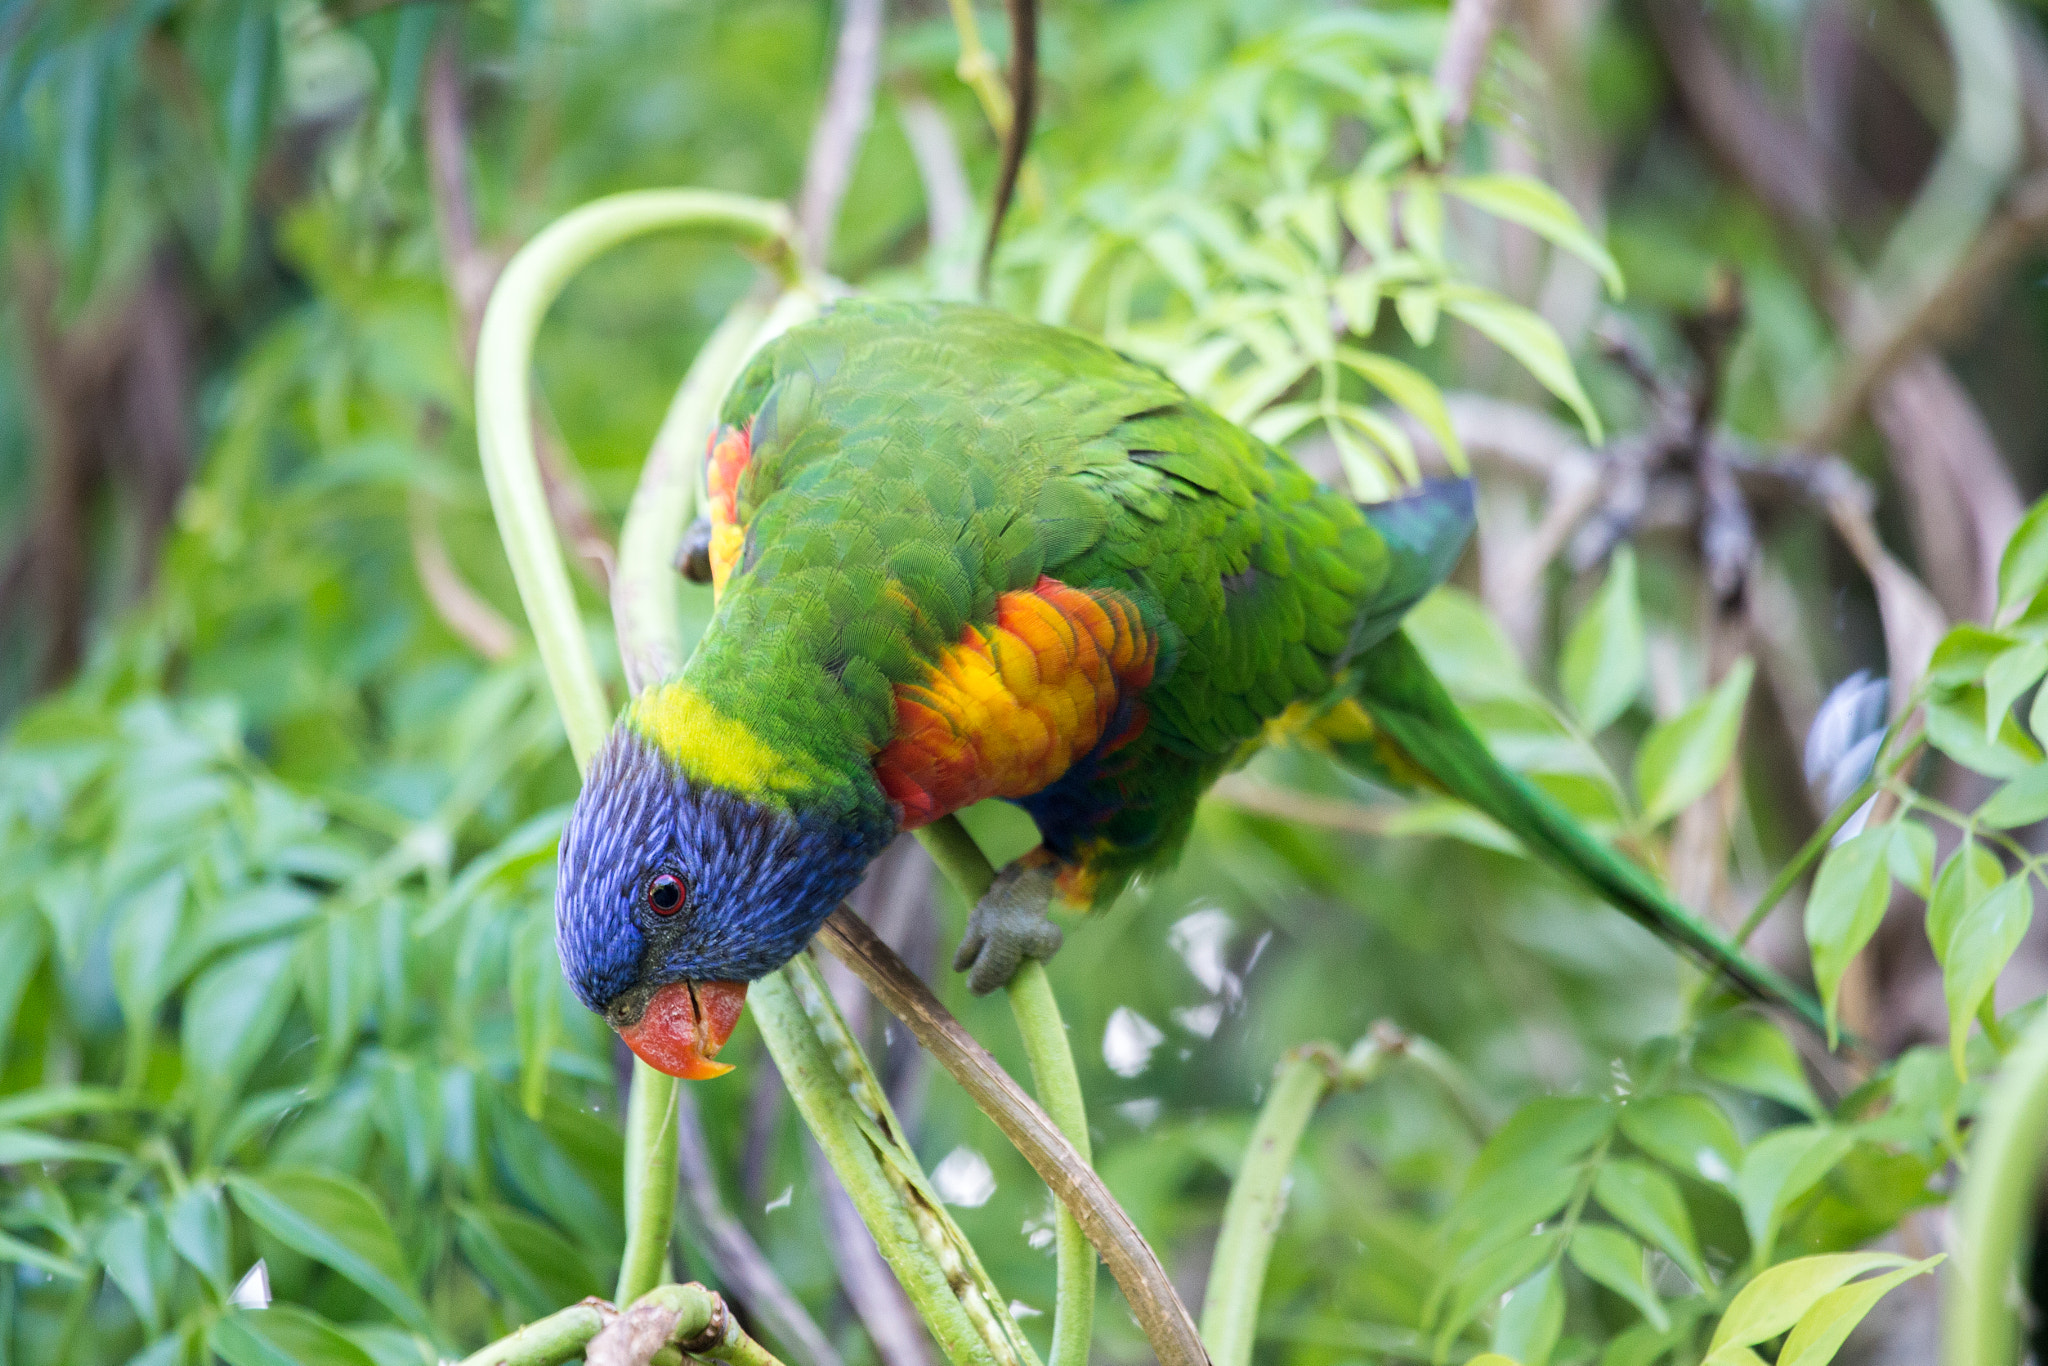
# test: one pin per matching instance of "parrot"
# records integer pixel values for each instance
(961, 556)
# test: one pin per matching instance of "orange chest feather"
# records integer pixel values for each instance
(1014, 704)
(730, 450)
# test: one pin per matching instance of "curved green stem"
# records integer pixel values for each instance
(504, 426)
(1037, 1012)
(1258, 1197)
(521, 300)
(1995, 1209)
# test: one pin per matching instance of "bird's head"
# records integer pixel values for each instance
(676, 889)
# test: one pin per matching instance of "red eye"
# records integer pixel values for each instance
(665, 894)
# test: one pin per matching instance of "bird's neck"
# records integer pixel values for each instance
(744, 747)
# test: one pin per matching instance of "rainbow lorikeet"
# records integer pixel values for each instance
(961, 556)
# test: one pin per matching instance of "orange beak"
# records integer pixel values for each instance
(684, 1026)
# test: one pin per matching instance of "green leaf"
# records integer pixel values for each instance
(1780, 1296)
(234, 1010)
(1956, 725)
(2010, 675)
(124, 1247)
(524, 1258)
(1650, 1204)
(1911, 856)
(1532, 342)
(21, 1146)
(1543, 211)
(282, 1336)
(1368, 211)
(1966, 879)
(1848, 901)
(1417, 308)
(1422, 218)
(1980, 944)
(1530, 1321)
(1681, 759)
(1964, 654)
(1779, 1168)
(1604, 658)
(13, 1249)
(336, 1221)
(2023, 568)
(1750, 1053)
(2022, 801)
(1823, 1329)
(1413, 392)
(198, 1226)
(1615, 1260)
(1686, 1133)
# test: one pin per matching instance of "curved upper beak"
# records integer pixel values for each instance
(683, 1027)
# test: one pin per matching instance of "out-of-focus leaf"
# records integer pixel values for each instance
(1615, 1260)
(1911, 856)
(1531, 1320)
(2022, 801)
(1781, 1296)
(524, 1258)
(1413, 392)
(1742, 1050)
(1681, 759)
(1650, 1204)
(2010, 675)
(20, 1146)
(1687, 1133)
(1529, 202)
(1823, 1329)
(1970, 874)
(1957, 726)
(2023, 568)
(198, 1228)
(13, 1249)
(1604, 659)
(124, 1247)
(1848, 901)
(282, 1335)
(1778, 1169)
(336, 1221)
(1980, 943)
(1532, 342)
(232, 1013)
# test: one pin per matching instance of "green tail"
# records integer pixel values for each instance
(1409, 705)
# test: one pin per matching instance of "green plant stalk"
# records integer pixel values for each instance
(544, 1342)
(1996, 1208)
(1258, 1197)
(834, 1119)
(504, 427)
(511, 323)
(701, 1320)
(972, 1285)
(650, 1180)
(1037, 1012)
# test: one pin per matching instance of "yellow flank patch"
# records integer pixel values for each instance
(712, 747)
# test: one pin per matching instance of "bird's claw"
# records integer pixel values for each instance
(1007, 926)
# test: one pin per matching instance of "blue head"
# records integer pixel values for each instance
(673, 894)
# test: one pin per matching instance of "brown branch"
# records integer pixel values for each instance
(1017, 133)
(461, 608)
(1150, 1295)
(841, 128)
(1938, 316)
(1463, 57)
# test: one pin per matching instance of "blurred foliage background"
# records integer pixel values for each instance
(281, 779)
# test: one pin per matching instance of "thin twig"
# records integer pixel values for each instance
(737, 1258)
(1023, 112)
(1462, 58)
(841, 128)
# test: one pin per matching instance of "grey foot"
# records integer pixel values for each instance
(1007, 926)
